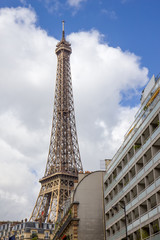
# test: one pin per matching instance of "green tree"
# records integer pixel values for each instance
(34, 236)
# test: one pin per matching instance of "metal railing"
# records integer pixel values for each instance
(137, 123)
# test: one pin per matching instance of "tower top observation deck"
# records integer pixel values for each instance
(63, 44)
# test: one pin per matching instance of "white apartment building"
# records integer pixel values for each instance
(132, 180)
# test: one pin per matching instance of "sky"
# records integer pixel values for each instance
(115, 51)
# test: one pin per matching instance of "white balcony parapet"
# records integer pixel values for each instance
(123, 171)
(149, 215)
(139, 121)
(135, 179)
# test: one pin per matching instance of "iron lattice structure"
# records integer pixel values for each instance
(64, 160)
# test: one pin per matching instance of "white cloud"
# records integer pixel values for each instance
(100, 73)
(23, 2)
(58, 6)
(75, 3)
(53, 5)
(28, 70)
(111, 14)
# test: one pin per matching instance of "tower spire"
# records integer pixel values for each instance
(63, 32)
(64, 160)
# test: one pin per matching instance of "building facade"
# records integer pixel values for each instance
(26, 230)
(83, 216)
(132, 180)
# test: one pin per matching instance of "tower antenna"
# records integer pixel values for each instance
(63, 33)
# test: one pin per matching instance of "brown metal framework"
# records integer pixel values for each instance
(64, 160)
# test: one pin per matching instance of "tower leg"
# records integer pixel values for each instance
(52, 197)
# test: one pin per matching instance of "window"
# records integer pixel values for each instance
(37, 225)
(46, 234)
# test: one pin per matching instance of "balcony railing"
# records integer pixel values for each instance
(139, 126)
(133, 159)
(143, 193)
(138, 222)
(149, 215)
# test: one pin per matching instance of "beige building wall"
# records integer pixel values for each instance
(89, 194)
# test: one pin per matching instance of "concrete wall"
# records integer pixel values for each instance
(89, 194)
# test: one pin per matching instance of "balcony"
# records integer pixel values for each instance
(132, 161)
(129, 142)
(133, 181)
(149, 215)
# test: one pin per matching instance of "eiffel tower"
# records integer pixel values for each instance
(64, 160)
